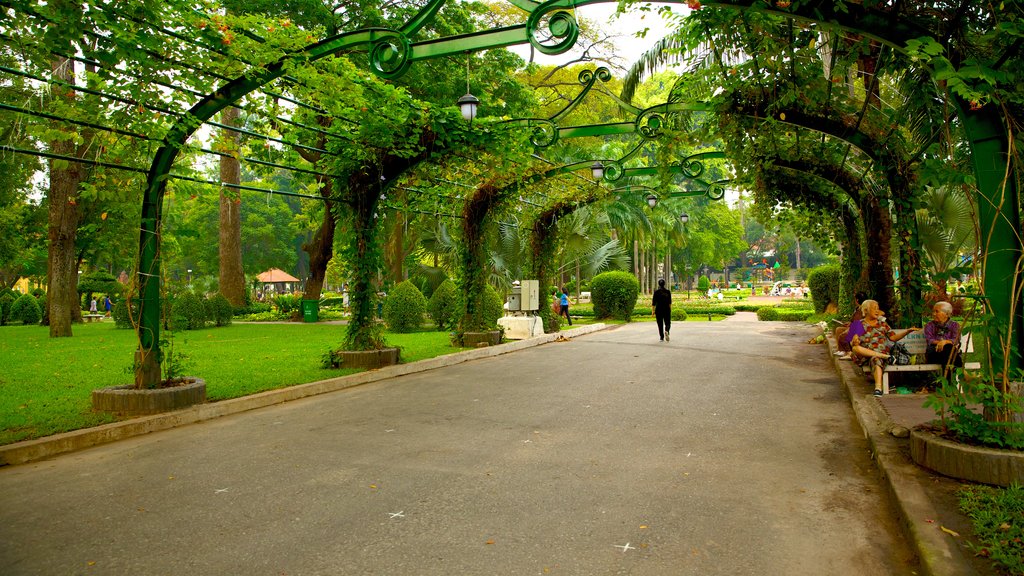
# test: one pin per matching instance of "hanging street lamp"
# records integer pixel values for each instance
(652, 200)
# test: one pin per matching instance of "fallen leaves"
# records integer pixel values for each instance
(953, 533)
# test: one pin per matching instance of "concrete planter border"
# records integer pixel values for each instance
(130, 401)
(477, 339)
(368, 359)
(965, 462)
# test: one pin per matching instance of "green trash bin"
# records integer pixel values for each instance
(310, 310)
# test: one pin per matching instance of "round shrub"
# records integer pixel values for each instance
(41, 299)
(767, 313)
(678, 314)
(445, 306)
(494, 307)
(614, 294)
(404, 307)
(5, 308)
(188, 312)
(25, 310)
(122, 314)
(703, 284)
(219, 310)
(824, 284)
(794, 314)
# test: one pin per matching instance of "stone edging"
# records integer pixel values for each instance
(939, 555)
(971, 463)
(40, 448)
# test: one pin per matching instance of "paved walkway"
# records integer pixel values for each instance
(729, 450)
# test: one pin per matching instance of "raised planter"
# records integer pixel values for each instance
(130, 401)
(478, 339)
(972, 463)
(368, 359)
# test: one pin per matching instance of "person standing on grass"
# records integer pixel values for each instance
(661, 308)
(563, 303)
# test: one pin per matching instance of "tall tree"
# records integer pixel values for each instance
(230, 272)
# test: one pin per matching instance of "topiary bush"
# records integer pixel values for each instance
(494, 307)
(824, 284)
(5, 308)
(405, 307)
(25, 310)
(679, 314)
(614, 295)
(445, 306)
(219, 310)
(188, 312)
(767, 313)
(703, 284)
(122, 314)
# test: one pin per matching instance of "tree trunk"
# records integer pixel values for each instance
(231, 273)
(636, 259)
(61, 263)
(321, 247)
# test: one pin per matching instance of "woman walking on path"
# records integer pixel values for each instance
(661, 307)
(564, 304)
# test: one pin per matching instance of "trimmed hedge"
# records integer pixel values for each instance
(697, 308)
(824, 284)
(748, 307)
(121, 314)
(405, 307)
(5, 308)
(188, 312)
(494, 307)
(614, 295)
(219, 309)
(445, 306)
(25, 310)
(678, 314)
(773, 314)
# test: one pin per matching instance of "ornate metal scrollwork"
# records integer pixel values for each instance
(692, 168)
(650, 125)
(613, 170)
(715, 192)
(562, 28)
(602, 74)
(543, 133)
(391, 55)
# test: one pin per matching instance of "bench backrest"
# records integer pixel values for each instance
(915, 342)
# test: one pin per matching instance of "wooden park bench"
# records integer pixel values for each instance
(92, 317)
(915, 345)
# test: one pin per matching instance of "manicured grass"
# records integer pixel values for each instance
(997, 515)
(45, 383)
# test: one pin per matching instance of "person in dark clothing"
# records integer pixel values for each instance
(661, 307)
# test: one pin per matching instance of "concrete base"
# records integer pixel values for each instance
(521, 327)
(964, 462)
(369, 359)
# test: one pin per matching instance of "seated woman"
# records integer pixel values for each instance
(873, 345)
(846, 332)
(942, 339)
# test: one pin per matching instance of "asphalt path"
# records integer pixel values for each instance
(729, 450)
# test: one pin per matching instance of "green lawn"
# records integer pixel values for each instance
(45, 383)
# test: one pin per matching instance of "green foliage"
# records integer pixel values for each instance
(794, 314)
(5, 308)
(767, 313)
(703, 284)
(678, 314)
(41, 299)
(122, 314)
(493, 307)
(996, 514)
(699, 308)
(824, 284)
(101, 282)
(614, 294)
(287, 303)
(404, 307)
(219, 310)
(25, 310)
(188, 312)
(445, 307)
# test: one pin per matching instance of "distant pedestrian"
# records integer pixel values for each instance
(92, 306)
(107, 304)
(563, 302)
(661, 307)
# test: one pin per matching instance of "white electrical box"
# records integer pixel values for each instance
(529, 295)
